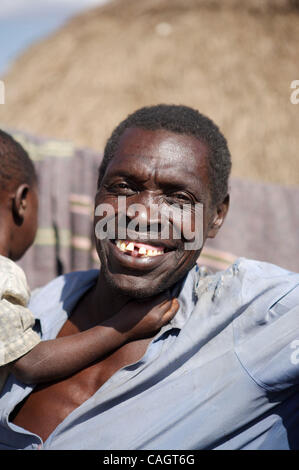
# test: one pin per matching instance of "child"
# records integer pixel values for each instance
(21, 350)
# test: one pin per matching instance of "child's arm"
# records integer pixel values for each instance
(61, 357)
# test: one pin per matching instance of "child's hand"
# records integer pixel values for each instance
(141, 319)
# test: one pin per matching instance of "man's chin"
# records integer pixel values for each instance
(141, 285)
(133, 286)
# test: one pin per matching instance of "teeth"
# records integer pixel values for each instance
(129, 246)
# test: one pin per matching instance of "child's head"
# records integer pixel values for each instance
(18, 198)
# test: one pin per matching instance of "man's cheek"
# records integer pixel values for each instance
(105, 221)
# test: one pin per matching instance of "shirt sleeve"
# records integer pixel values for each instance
(17, 336)
(13, 283)
(266, 333)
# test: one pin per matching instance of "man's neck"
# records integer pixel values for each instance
(104, 301)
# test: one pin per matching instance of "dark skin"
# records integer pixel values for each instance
(55, 359)
(148, 165)
(18, 213)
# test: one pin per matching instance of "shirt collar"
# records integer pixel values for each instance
(53, 304)
(184, 291)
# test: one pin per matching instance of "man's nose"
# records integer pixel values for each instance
(144, 209)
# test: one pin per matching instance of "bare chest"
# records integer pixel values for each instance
(49, 404)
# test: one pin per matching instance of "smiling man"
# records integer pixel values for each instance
(163, 169)
(220, 374)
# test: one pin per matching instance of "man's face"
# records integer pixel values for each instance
(153, 169)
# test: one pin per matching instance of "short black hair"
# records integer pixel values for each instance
(181, 120)
(16, 167)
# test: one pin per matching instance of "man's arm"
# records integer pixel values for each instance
(61, 357)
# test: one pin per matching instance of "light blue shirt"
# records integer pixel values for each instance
(223, 374)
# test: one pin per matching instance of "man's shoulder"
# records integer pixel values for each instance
(65, 284)
(248, 267)
(263, 290)
(251, 268)
(264, 283)
(250, 279)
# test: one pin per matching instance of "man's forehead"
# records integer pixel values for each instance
(161, 148)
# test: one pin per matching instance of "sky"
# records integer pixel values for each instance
(22, 22)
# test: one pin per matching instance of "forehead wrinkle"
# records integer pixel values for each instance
(160, 171)
(166, 177)
(162, 175)
(129, 166)
(163, 155)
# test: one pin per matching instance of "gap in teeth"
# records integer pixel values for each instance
(129, 247)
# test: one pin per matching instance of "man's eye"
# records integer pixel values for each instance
(121, 186)
(182, 198)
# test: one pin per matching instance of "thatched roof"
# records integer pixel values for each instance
(233, 63)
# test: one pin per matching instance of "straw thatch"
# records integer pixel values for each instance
(232, 60)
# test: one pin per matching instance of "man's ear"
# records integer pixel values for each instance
(219, 215)
(20, 202)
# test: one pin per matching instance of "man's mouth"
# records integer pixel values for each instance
(140, 250)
